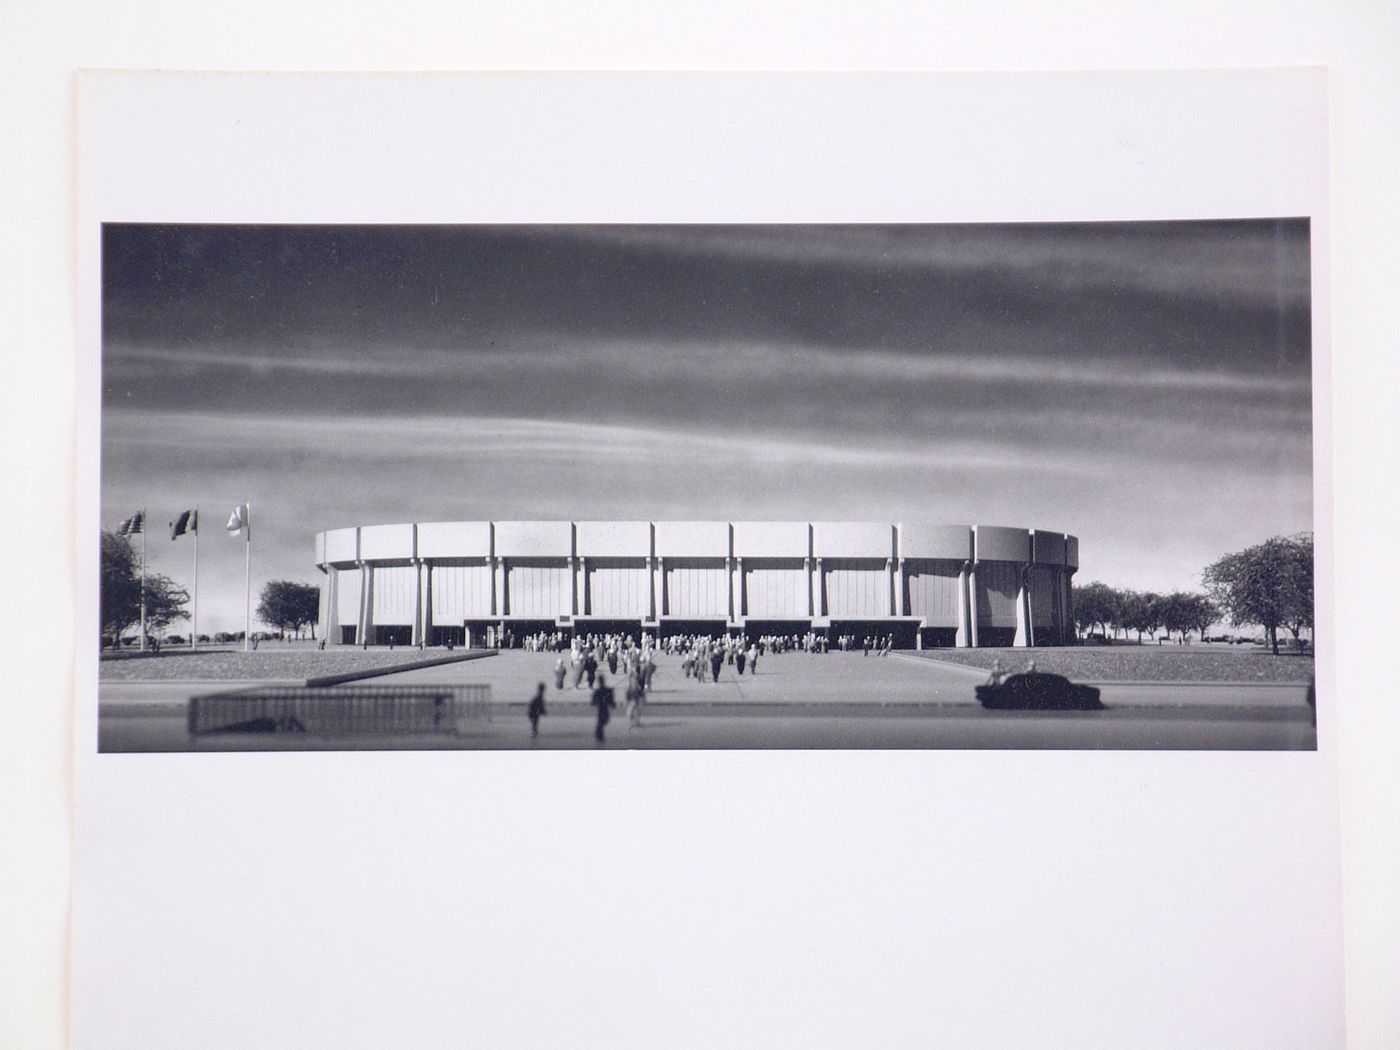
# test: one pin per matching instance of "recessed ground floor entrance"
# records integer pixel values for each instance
(597, 625)
(755, 629)
(501, 633)
(903, 634)
(706, 628)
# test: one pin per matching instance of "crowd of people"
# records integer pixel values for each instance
(563, 641)
(586, 661)
(870, 643)
(536, 642)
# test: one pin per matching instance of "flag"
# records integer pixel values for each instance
(188, 521)
(133, 526)
(240, 520)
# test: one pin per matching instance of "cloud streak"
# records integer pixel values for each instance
(662, 361)
(1144, 385)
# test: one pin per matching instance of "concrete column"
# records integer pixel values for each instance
(416, 637)
(967, 606)
(658, 583)
(331, 628)
(741, 608)
(364, 633)
(1025, 633)
(1067, 600)
(500, 600)
(427, 616)
(890, 592)
(729, 564)
(575, 586)
(807, 569)
(821, 589)
(585, 606)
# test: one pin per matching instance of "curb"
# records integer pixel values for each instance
(977, 672)
(1164, 683)
(1178, 683)
(376, 672)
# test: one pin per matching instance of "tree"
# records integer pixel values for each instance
(120, 601)
(1299, 613)
(289, 606)
(1183, 613)
(1096, 604)
(1199, 613)
(1141, 611)
(1270, 584)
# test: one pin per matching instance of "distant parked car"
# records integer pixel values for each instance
(1038, 692)
(173, 639)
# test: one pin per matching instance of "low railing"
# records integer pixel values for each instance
(384, 710)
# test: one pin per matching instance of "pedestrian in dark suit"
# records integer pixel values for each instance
(535, 710)
(603, 700)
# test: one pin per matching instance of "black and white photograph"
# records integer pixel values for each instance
(1035, 485)
(814, 559)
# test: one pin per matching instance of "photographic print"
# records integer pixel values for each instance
(923, 468)
(700, 486)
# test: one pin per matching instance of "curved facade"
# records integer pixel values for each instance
(482, 582)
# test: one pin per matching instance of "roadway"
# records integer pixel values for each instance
(837, 700)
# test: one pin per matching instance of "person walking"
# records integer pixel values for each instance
(716, 662)
(635, 695)
(536, 710)
(590, 668)
(604, 701)
(740, 657)
(560, 669)
(997, 674)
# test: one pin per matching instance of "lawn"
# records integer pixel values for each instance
(1131, 663)
(265, 664)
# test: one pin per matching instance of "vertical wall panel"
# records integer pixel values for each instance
(856, 591)
(461, 592)
(696, 589)
(776, 593)
(933, 590)
(618, 589)
(395, 595)
(998, 583)
(349, 585)
(1043, 595)
(544, 591)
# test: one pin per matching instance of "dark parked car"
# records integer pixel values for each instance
(1039, 692)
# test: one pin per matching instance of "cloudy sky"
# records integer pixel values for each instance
(1145, 386)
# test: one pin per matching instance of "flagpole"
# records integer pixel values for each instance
(194, 601)
(248, 577)
(143, 579)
